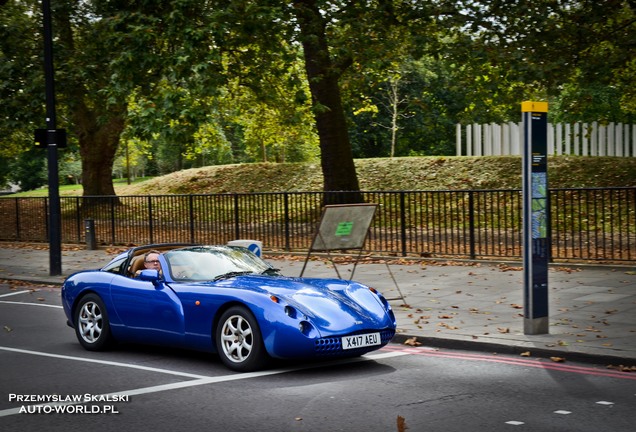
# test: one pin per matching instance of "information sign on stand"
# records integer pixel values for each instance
(536, 217)
(344, 227)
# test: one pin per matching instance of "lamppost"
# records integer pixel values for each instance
(51, 138)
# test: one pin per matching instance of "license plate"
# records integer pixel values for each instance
(360, 341)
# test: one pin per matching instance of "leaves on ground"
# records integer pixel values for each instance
(412, 342)
(401, 424)
(622, 368)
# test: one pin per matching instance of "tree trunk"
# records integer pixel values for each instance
(338, 169)
(98, 145)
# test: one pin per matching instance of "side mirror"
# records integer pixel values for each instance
(149, 276)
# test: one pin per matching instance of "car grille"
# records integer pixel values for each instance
(333, 345)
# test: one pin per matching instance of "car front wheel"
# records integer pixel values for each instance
(239, 341)
(91, 323)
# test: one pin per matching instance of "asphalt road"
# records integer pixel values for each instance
(153, 389)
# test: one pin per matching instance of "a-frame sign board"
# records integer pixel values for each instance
(344, 227)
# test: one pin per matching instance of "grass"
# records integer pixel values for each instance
(380, 174)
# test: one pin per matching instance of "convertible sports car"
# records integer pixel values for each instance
(224, 299)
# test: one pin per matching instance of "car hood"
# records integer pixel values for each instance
(333, 304)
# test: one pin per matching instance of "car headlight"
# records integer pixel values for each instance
(290, 311)
(305, 328)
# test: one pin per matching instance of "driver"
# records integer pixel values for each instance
(151, 261)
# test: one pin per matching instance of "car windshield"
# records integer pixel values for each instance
(205, 263)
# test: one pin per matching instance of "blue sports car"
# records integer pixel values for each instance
(223, 299)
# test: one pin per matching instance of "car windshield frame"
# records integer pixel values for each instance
(209, 263)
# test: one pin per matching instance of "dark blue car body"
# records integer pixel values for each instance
(233, 310)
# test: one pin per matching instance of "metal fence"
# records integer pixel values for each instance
(586, 224)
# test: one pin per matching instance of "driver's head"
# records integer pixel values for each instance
(151, 260)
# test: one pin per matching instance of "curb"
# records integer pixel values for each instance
(511, 349)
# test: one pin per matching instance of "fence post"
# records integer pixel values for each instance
(17, 219)
(150, 226)
(237, 219)
(403, 221)
(471, 224)
(113, 224)
(191, 208)
(286, 220)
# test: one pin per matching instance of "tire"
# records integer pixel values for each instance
(239, 341)
(92, 327)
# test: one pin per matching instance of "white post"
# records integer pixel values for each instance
(602, 140)
(506, 148)
(595, 137)
(610, 143)
(577, 138)
(478, 140)
(487, 139)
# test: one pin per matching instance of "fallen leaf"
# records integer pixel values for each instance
(557, 359)
(503, 330)
(525, 354)
(401, 424)
(412, 342)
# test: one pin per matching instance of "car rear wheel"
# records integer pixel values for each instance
(91, 323)
(239, 341)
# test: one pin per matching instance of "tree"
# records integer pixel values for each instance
(336, 156)
(104, 51)
(550, 44)
(339, 39)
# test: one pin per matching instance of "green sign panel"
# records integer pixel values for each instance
(344, 229)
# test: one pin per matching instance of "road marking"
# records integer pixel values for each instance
(25, 303)
(30, 304)
(105, 362)
(199, 379)
(540, 363)
(15, 293)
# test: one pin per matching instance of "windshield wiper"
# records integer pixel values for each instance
(232, 274)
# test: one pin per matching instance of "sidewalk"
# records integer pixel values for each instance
(445, 304)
